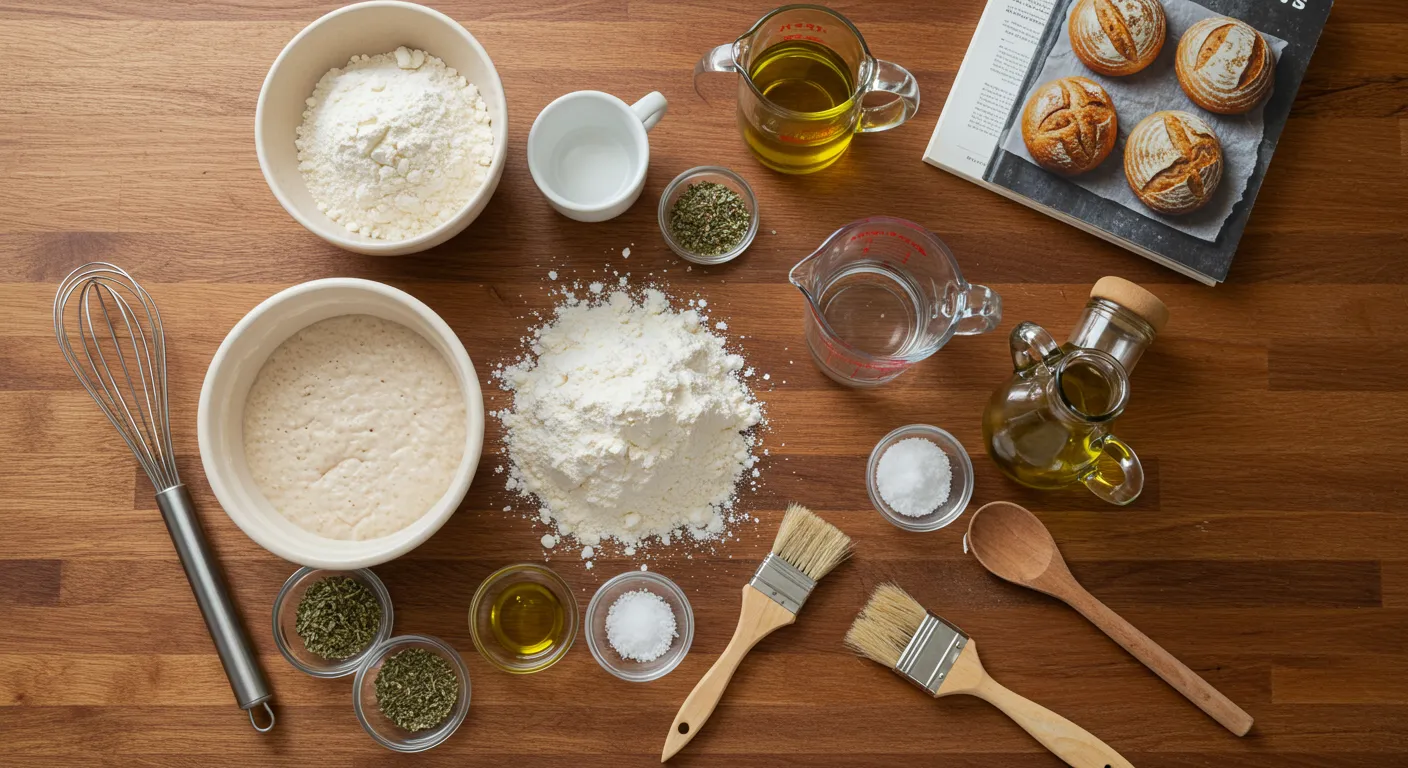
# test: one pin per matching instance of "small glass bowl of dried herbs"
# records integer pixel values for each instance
(326, 622)
(411, 692)
(708, 215)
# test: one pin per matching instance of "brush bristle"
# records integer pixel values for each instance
(809, 543)
(886, 625)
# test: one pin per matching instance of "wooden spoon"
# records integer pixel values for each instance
(1013, 544)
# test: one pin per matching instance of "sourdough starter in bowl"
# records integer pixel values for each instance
(354, 427)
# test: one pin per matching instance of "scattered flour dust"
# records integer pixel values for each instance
(393, 145)
(630, 422)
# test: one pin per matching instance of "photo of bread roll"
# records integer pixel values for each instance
(1225, 66)
(1173, 162)
(1117, 37)
(1070, 125)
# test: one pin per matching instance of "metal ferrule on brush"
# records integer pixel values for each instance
(782, 582)
(931, 653)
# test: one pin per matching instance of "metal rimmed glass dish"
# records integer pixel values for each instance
(286, 616)
(481, 629)
(960, 489)
(600, 606)
(380, 727)
(718, 175)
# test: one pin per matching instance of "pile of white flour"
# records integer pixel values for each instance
(393, 145)
(630, 421)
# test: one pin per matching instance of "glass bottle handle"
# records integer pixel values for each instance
(1032, 346)
(889, 78)
(718, 59)
(1125, 491)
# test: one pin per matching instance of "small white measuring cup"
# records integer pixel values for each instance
(588, 152)
(883, 294)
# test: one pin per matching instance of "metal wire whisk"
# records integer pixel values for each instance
(121, 360)
(110, 332)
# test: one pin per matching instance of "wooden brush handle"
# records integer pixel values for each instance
(1163, 663)
(759, 617)
(1066, 740)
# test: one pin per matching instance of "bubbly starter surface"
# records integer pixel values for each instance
(354, 427)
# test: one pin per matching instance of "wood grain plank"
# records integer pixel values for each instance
(1334, 679)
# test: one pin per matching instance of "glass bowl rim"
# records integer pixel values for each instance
(350, 664)
(957, 456)
(686, 623)
(574, 616)
(749, 197)
(440, 733)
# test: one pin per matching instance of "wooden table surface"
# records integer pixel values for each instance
(1269, 550)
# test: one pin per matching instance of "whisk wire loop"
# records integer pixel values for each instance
(120, 360)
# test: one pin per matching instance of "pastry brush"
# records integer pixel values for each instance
(806, 549)
(894, 630)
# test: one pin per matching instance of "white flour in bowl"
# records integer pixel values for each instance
(393, 145)
(354, 427)
(630, 421)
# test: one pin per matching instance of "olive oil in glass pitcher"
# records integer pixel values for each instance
(804, 75)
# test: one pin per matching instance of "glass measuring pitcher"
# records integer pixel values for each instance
(804, 72)
(883, 294)
(1050, 424)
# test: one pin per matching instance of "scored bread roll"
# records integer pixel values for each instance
(1069, 125)
(1173, 162)
(1117, 37)
(1225, 66)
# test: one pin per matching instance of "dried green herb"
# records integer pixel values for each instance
(337, 618)
(709, 219)
(416, 689)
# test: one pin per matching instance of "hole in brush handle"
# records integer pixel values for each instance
(684, 728)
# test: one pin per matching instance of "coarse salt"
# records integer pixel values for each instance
(914, 477)
(640, 626)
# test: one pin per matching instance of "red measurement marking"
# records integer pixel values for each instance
(800, 25)
(871, 234)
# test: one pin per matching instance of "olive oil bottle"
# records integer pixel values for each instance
(814, 83)
(1047, 439)
(1051, 424)
(527, 618)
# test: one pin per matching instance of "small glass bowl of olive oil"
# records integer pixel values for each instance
(523, 618)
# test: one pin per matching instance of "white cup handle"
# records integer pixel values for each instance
(650, 108)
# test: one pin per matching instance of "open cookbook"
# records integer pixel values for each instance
(1149, 123)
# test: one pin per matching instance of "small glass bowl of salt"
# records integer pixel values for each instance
(639, 626)
(919, 478)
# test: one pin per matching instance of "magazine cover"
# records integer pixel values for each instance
(1205, 127)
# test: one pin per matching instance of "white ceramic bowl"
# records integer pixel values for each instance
(370, 28)
(220, 418)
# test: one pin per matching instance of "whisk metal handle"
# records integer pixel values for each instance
(231, 641)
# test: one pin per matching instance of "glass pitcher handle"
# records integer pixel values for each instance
(1126, 490)
(889, 78)
(982, 311)
(718, 59)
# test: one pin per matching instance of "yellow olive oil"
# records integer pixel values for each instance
(813, 81)
(1087, 390)
(527, 618)
(1040, 450)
